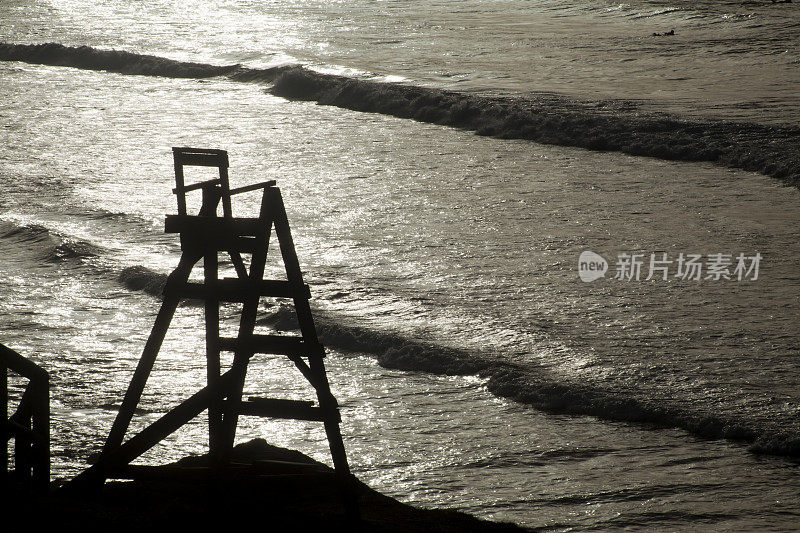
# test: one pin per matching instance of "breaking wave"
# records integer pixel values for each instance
(548, 119)
(139, 278)
(34, 245)
(41, 245)
(773, 150)
(535, 387)
(86, 57)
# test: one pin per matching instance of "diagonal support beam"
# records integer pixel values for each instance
(154, 433)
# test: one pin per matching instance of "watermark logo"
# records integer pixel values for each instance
(591, 266)
(658, 265)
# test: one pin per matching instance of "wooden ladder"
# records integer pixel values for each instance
(204, 236)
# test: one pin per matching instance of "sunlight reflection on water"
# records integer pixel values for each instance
(437, 249)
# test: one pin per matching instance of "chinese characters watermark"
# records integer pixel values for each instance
(660, 266)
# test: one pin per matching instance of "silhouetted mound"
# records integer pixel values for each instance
(273, 489)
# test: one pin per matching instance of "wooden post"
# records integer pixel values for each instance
(247, 323)
(4, 433)
(326, 400)
(225, 187)
(179, 182)
(210, 272)
(40, 424)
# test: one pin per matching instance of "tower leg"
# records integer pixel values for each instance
(134, 393)
(247, 323)
(215, 430)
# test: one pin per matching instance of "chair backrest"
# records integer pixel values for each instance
(203, 157)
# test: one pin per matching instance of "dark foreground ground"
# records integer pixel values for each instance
(271, 488)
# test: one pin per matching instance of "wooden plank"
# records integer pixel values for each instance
(214, 227)
(205, 157)
(258, 470)
(236, 259)
(190, 149)
(274, 466)
(234, 290)
(176, 473)
(195, 186)
(279, 408)
(201, 160)
(253, 187)
(273, 344)
(21, 365)
(194, 242)
(239, 245)
(306, 371)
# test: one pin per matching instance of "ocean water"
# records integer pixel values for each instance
(476, 370)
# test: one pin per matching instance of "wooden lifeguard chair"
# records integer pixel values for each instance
(204, 236)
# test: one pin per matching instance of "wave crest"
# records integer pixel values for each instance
(139, 278)
(770, 150)
(773, 150)
(43, 245)
(86, 57)
(536, 387)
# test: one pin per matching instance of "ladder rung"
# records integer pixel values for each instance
(243, 244)
(197, 243)
(273, 344)
(195, 186)
(237, 290)
(215, 227)
(279, 408)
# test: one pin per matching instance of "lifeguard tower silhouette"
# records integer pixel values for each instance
(204, 236)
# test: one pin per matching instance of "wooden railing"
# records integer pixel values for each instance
(29, 425)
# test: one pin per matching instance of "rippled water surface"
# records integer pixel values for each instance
(426, 247)
(725, 59)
